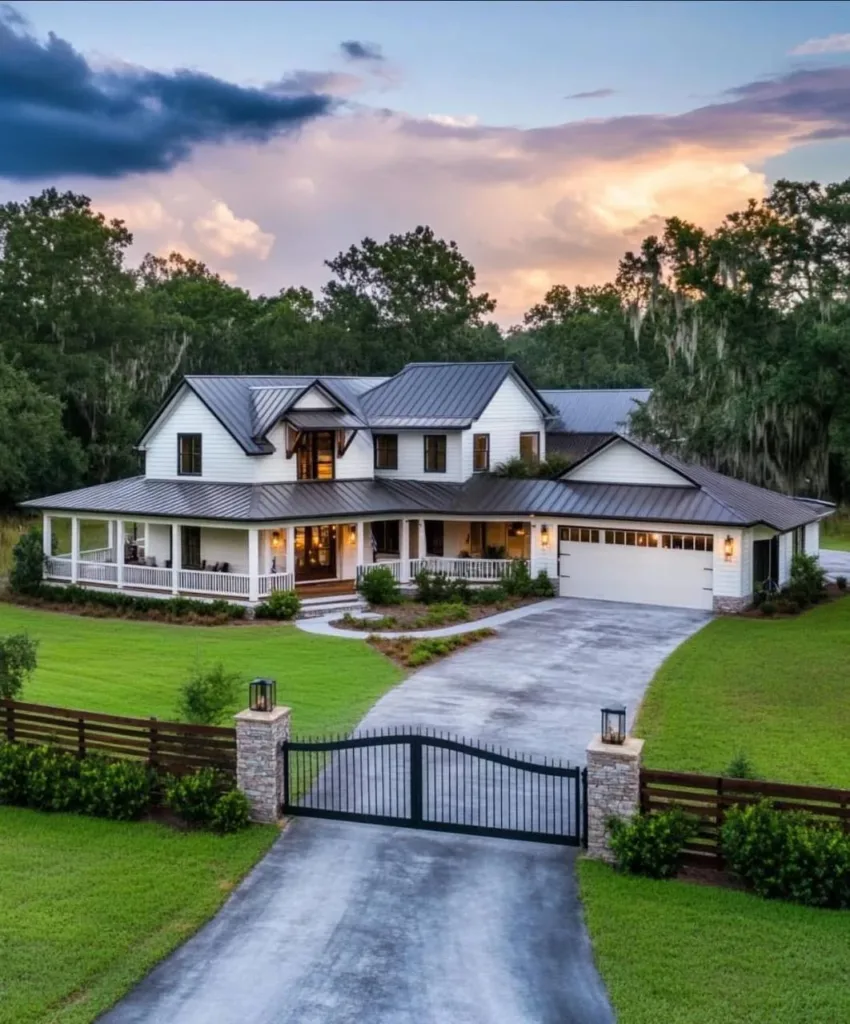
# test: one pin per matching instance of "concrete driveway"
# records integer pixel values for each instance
(344, 922)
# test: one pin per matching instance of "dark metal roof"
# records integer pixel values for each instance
(602, 411)
(440, 394)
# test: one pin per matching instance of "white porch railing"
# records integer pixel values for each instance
(97, 572)
(478, 570)
(393, 566)
(276, 581)
(147, 576)
(228, 584)
(56, 568)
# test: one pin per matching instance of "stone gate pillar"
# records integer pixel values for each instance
(613, 789)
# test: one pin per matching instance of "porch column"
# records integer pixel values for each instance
(423, 543)
(360, 541)
(119, 553)
(253, 565)
(176, 556)
(75, 549)
(47, 535)
(404, 550)
(290, 552)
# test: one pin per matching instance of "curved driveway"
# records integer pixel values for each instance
(344, 922)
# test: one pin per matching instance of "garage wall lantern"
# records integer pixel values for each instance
(614, 724)
(728, 547)
(262, 695)
(544, 536)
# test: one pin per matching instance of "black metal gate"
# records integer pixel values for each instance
(427, 780)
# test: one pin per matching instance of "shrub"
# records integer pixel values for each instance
(379, 586)
(231, 812)
(786, 855)
(280, 604)
(114, 789)
(194, 797)
(651, 844)
(808, 579)
(768, 608)
(27, 562)
(741, 767)
(841, 582)
(208, 696)
(18, 661)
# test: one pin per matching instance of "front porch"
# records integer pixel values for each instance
(317, 560)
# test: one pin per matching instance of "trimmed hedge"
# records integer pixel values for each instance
(130, 606)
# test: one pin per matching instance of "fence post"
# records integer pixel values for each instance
(260, 736)
(613, 789)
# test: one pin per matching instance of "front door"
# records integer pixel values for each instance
(315, 553)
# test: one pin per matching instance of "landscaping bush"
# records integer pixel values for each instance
(378, 586)
(768, 608)
(808, 579)
(27, 562)
(787, 855)
(740, 767)
(194, 797)
(651, 844)
(121, 790)
(129, 606)
(231, 812)
(18, 661)
(209, 695)
(280, 604)
(841, 582)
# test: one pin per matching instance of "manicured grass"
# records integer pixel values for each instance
(775, 689)
(677, 953)
(134, 668)
(87, 907)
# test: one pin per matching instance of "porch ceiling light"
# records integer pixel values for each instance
(262, 695)
(728, 548)
(614, 724)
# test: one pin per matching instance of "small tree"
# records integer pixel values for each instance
(27, 562)
(18, 661)
(209, 695)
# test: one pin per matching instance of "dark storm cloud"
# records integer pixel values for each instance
(593, 94)
(59, 116)
(354, 49)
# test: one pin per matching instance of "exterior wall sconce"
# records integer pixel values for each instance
(275, 539)
(614, 724)
(544, 536)
(728, 548)
(262, 695)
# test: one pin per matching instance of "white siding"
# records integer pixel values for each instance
(813, 538)
(315, 398)
(220, 545)
(622, 464)
(222, 458)
(411, 456)
(509, 413)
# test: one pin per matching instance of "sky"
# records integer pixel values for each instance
(546, 138)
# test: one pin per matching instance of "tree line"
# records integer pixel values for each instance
(743, 332)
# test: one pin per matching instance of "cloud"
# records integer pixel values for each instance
(529, 207)
(838, 43)
(60, 115)
(355, 49)
(594, 94)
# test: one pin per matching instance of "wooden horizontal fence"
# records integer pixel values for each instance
(173, 747)
(708, 798)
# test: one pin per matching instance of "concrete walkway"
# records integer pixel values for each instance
(322, 625)
(345, 922)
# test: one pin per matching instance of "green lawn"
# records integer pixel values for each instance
(134, 668)
(676, 953)
(776, 689)
(87, 907)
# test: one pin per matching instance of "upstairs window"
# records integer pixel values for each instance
(529, 447)
(480, 453)
(435, 453)
(189, 454)
(386, 451)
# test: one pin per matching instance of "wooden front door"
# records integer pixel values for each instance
(315, 553)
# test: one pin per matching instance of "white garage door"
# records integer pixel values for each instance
(636, 566)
